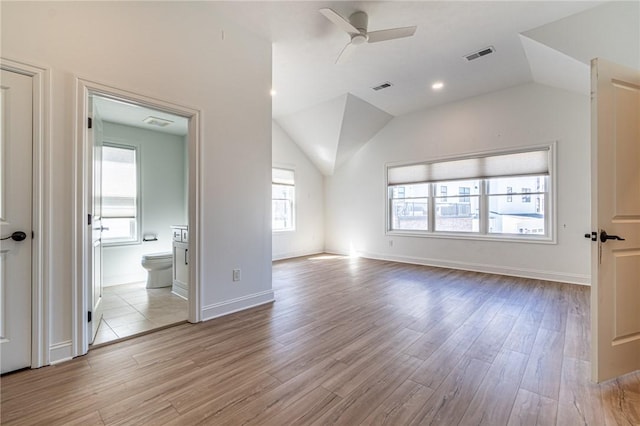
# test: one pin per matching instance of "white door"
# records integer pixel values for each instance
(615, 292)
(95, 138)
(16, 144)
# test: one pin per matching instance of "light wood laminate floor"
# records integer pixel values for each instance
(350, 342)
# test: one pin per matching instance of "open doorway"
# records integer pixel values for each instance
(136, 220)
(144, 217)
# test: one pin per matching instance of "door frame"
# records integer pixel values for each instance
(82, 185)
(41, 219)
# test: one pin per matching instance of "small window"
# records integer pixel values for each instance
(458, 214)
(282, 200)
(120, 201)
(464, 190)
(409, 207)
(509, 196)
(516, 217)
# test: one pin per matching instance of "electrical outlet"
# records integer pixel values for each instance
(236, 274)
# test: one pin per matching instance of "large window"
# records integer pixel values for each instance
(282, 200)
(120, 201)
(505, 195)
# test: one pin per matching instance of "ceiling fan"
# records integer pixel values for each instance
(356, 27)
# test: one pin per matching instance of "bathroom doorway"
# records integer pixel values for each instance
(126, 239)
(143, 172)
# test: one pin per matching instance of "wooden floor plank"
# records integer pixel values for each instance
(348, 341)
(621, 400)
(531, 409)
(448, 403)
(401, 406)
(579, 397)
(492, 403)
(355, 408)
(544, 368)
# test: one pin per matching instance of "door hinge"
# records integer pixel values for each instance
(33, 235)
(89, 316)
(89, 219)
(89, 123)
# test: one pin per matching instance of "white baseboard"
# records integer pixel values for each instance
(562, 277)
(60, 352)
(300, 253)
(239, 304)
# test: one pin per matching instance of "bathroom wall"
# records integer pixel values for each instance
(163, 198)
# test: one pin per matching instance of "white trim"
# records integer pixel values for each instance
(81, 237)
(235, 305)
(61, 352)
(563, 277)
(41, 225)
(299, 253)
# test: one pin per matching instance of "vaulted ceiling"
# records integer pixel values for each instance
(330, 110)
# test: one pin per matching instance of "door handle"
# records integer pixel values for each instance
(186, 262)
(16, 236)
(604, 237)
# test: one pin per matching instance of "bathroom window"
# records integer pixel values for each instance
(120, 200)
(282, 200)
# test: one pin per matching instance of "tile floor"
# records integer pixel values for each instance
(129, 309)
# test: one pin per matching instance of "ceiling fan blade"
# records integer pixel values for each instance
(391, 34)
(346, 53)
(344, 25)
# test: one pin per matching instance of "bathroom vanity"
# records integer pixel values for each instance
(180, 285)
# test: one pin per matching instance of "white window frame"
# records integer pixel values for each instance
(138, 239)
(550, 213)
(294, 207)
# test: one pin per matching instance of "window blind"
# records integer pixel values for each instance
(282, 177)
(119, 182)
(535, 162)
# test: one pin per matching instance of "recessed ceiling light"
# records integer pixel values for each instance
(437, 85)
(273, 92)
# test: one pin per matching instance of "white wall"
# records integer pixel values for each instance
(517, 117)
(308, 238)
(172, 51)
(162, 186)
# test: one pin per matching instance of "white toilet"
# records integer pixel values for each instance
(159, 269)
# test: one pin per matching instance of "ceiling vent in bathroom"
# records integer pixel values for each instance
(479, 53)
(155, 121)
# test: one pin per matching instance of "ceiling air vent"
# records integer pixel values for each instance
(480, 53)
(384, 85)
(155, 121)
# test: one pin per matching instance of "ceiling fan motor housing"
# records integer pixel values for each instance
(360, 21)
(359, 39)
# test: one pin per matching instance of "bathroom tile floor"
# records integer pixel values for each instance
(132, 308)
